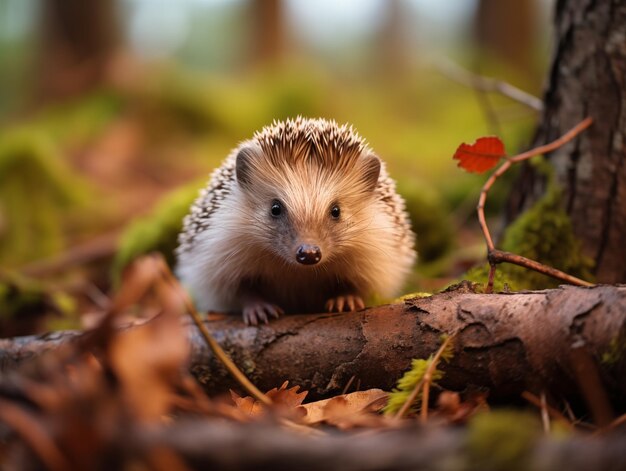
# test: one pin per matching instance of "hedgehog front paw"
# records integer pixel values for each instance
(258, 311)
(346, 302)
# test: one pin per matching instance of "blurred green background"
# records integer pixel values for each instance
(113, 113)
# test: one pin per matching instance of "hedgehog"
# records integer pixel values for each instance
(302, 218)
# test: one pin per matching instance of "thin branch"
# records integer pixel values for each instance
(545, 416)
(496, 256)
(613, 425)
(219, 353)
(564, 139)
(428, 376)
(424, 383)
(487, 84)
(492, 276)
(555, 414)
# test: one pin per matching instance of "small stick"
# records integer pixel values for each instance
(499, 256)
(616, 423)
(545, 417)
(555, 414)
(487, 84)
(422, 382)
(348, 384)
(211, 342)
(428, 377)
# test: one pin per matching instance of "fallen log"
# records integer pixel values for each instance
(506, 343)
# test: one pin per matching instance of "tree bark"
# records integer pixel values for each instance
(587, 78)
(78, 41)
(508, 31)
(506, 342)
(269, 31)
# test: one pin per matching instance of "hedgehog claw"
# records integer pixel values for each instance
(256, 312)
(347, 302)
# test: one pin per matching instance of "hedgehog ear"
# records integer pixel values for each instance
(245, 164)
(371, 171)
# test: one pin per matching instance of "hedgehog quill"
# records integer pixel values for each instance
(301, 218)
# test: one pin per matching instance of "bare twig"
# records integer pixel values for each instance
(545, 416)
(543, 405)
(480, 208)
(613, 425)
(428, 376)
(423, 385)
(498, 256)
(487, 84)
(212, 343)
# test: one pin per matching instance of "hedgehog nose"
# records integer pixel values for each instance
(308, 254)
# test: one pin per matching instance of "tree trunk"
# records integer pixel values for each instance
(78, 40)
(587, 78)
(507, 30)
(268, 31)
(506, 342)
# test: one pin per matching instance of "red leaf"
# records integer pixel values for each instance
(481, 156)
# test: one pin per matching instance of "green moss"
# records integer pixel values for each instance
(157, 232)
(543, 233)
(36, 189)
(410, 380)
(502, 281)
(77, 121)
(502, 440)
(429, 219)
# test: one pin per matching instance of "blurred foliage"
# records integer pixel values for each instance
(76, 122)
(36, 187)
(25, 301)
(429, 219)
(543, 233)
(157, 232)
(494, 443)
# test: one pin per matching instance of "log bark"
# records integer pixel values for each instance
(506, 342)
(587, 78)
(219, 446)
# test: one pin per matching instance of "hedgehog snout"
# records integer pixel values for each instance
(307, 254)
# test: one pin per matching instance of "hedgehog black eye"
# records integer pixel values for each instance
(276, 209)
(335, 212)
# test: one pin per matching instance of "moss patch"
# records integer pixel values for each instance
(157, 232)
(543, 233)
(502, 440)
(36, 188)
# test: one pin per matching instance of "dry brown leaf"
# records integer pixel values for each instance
(348, 410)
(284, 397)
(452, 409)
(247, 405)
(285, 402)
(148, 359)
